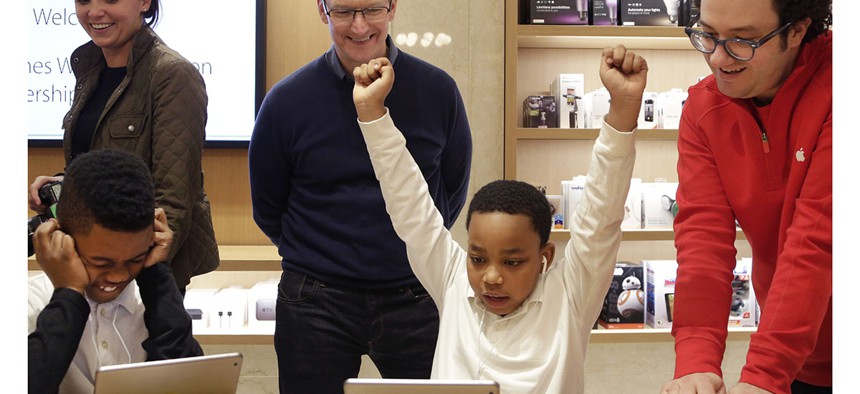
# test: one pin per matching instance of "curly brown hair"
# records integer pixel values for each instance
(819, 11)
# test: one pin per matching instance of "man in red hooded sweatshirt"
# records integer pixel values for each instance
(755, 146)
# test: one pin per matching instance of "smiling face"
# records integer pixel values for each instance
(111, 24)
(505, 256)
(112, 259)
(359, 41)
(761, 76)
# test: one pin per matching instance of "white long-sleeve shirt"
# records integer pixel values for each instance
(540, 347)
(113, 335)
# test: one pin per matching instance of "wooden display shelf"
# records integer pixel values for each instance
(635, 235)
(598, 37)
(266, 258)
(523, 133)
(600, 335)
(233, 258)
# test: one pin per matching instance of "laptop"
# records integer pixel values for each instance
(211, 374)
(419, 386)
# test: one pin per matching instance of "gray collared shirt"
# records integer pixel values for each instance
(334, 63)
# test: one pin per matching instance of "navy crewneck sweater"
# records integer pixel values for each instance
(313, 188)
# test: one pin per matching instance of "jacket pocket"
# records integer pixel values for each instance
(126, 126)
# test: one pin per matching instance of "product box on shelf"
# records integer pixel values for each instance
(558, 12)
(624, 304)
(262, 297)
(669, 106)
(743, 310)
(229, 308)
(604, 12)
(540, 112)
(524, 6)
(658, 204)
(660, 304)
(649, 12)
(596, 107)
(647, 113)
(198, 304)
(688, 10)
(557, 211)
(568, 90)
(633, 206)
(571, 194)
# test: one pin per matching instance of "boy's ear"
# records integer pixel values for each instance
(547, 254)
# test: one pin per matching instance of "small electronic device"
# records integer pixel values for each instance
(649, 110)
(670, 305)
(265, 309)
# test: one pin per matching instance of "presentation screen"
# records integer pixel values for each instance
(224, 41)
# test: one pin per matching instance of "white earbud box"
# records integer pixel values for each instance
(229, 308)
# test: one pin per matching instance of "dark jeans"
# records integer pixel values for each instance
(322, 331)
(798, 387)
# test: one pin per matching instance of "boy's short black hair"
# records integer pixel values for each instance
(514, 198)
(111, 188)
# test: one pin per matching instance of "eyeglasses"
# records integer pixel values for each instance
(346, 15)
(738, 48)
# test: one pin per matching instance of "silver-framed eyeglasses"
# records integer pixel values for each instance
(738, 48)
(347, 15)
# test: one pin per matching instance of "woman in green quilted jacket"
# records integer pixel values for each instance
(134, 93)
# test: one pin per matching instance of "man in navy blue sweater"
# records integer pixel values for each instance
(347, 289)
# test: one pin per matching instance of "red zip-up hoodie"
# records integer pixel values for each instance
(776, 180)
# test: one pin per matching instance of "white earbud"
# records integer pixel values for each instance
(543, 271)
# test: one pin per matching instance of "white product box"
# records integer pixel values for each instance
(660, 301)
(262, 298)
(229, 308)
(624, 304)
(648, 112)
(198, 303)
(658, 204)
(568, 90)
(633, 206)
(743, 310)
(669, 105)
(596, 107)
(555, 201)
(571, 192)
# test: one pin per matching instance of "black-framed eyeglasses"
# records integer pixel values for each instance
(346, 15)
(738, 48)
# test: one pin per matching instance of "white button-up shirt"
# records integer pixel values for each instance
(113, 335)
(540, 347)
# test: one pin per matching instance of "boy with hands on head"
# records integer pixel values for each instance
(107, 295)
(508, 311)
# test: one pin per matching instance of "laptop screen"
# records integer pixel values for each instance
(212, 374)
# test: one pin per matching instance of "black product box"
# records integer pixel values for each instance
(687, 12)
(604, 12)
(523, 17)
(540, 112)
(649, 12)
(624, 304)
(558, 12)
